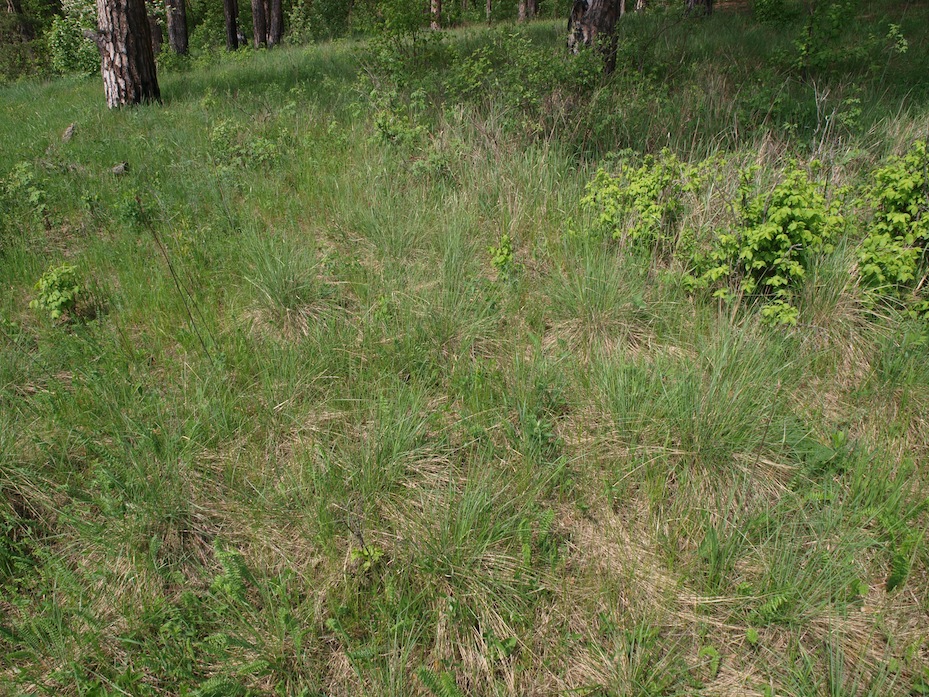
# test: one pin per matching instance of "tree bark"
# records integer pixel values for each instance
(436, 10)
(176, 19)
(259, 24)
(158, 36)
(488, 10)
(275, 22)
(127, 62)
(231, 13)
(532, 8)
(521, 12)
(707, 5)
(593, 23)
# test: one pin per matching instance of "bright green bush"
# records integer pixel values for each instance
(770, 252)
(59, 288)
(641, 203)
(894, 249)
(765, 252)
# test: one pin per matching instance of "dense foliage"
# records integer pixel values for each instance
(893, 253)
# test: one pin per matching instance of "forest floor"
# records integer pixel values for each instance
(347, 386)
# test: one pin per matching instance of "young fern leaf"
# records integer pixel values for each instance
(441, 685)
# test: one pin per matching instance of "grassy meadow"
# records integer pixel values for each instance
(351, 393)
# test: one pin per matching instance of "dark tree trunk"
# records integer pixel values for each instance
(707, 5)
(231, 12)
(593, 23)
(436, 13)
(127, 61)
(14, 7)
(275, 22)
(487, 11)
(532, 8)
(158, 36)
(176, 14)
(259, 25)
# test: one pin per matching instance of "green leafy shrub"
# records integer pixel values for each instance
(206, 24)
(769, 254)
(21, 195)
(642, 203)
(59, 289)
(893, 253)
(400, 47)
(775, 11)
(232, 145)
(527, 86)
(70, 51)
(502, 258)
(399, 118)
(318, 20)
(128, 209)
(394, 19)
(825, 41)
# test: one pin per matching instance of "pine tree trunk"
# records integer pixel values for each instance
(487, 11)
(436, 22)
(275, 22)
(176, 14)
(158, 37)
(231, 13)
(521, 17)
(593, 23)
(127, 61)
(532, 8)
(259, 25)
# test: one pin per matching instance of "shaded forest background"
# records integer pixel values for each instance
(44, 37)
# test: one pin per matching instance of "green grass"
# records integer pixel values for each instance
(303, 437)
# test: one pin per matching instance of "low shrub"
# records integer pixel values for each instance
(771, 249)
(59, 289)
(892, 256)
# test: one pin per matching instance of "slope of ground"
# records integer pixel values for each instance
(354, 399)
